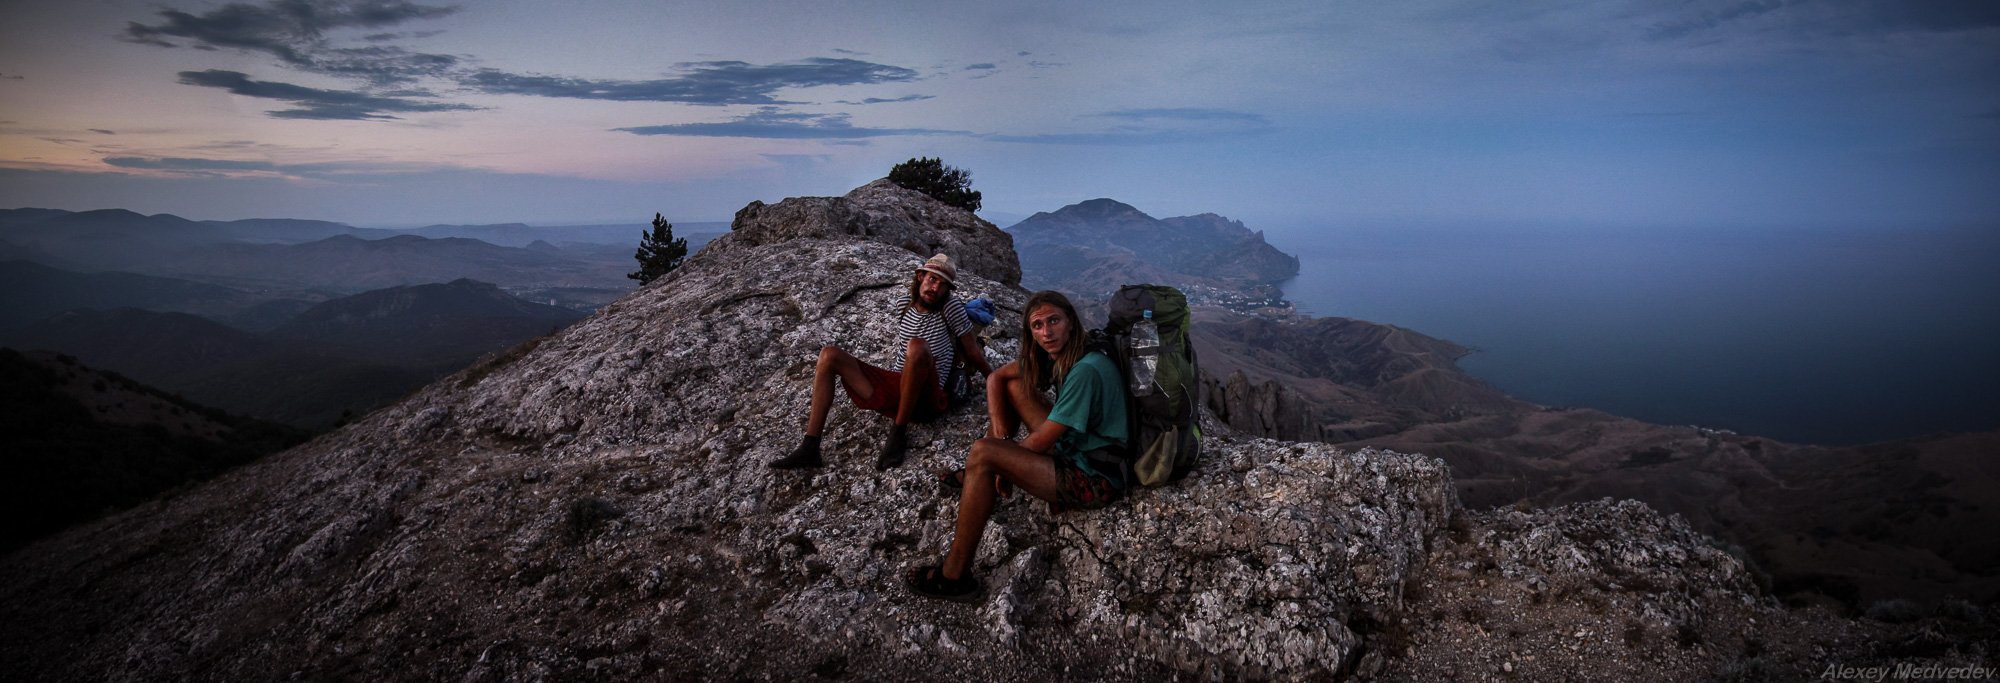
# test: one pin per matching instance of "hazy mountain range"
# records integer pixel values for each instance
(342, 356)
(299, 321)
(1092, 247)
(580, 266)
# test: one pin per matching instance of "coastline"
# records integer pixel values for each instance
(1840, 343)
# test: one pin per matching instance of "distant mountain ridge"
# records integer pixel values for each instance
(354, 264)
(297, 230)
(344, 355)
(429, 323)
(156, 297)
(580, 266)
(1094, 246)
(697, 233)
(31, 291)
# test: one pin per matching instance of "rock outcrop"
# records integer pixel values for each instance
(883, 212)
(596, 505)
(1333, 379)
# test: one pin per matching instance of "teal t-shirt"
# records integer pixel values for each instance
(1091, 403)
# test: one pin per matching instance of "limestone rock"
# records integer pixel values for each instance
(884, 212)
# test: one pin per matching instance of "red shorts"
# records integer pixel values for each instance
(1080, 490)
(888, 386)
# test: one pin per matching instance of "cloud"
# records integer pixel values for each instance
(773, 123)
(710, 83)
(1938, 15)
(1839, 18)
(314, 103)
(1156, 126)
(295, 31)
(1184, 114)
(1106, 138)
(102, 131)
(1188, 125)
(878, 100)
(12, 77)
(298, 34)
(1710, 19)
(185, 164)
(807, 163)
(1653, 114)
(385, 37)
(981, 67)
(1128, 137)
(321, 170)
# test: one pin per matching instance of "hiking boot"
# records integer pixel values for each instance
(806, 455)
(892, 452)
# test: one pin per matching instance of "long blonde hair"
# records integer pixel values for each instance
(1036, 365)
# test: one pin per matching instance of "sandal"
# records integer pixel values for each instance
(929, 581)
(952, 481)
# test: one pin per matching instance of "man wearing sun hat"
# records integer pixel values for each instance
(933, 329)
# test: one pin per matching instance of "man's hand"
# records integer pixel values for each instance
(969, 343)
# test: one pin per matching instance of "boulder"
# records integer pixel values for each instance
(884, 212)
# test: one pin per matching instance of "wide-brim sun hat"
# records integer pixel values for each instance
(941, 264)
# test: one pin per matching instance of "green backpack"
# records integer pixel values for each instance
(1166, 441)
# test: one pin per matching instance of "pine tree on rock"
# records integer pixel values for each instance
(952, 186)
(659, 252)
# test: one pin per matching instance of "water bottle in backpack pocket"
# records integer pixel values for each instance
(1142, 355)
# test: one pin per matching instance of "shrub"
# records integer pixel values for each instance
(952, 186)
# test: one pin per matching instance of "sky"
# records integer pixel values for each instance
(1877, 114)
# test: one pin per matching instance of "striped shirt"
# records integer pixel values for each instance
(940, 332)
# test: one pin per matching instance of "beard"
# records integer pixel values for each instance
(933, 301)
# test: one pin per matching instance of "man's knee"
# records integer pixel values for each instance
(983, 455)
(829, 356)
(918, 349)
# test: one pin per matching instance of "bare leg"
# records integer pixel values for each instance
(834, 362)
(919, 378)
(993, 459)
(919, 375)
(1011, 403)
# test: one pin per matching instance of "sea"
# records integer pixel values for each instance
(1832, 337)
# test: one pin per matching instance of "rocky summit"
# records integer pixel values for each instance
(595, 505)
